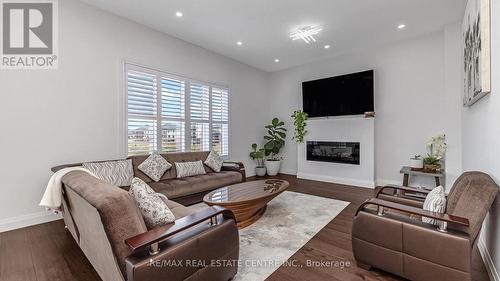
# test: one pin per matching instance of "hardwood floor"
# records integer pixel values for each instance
(47, 252)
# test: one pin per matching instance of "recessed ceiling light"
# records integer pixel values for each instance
(401, 26)
(306, 33)
(239, 43)
(179, 14)
(276, 60)
(327, 47)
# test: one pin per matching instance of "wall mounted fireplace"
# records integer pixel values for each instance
(335, 152)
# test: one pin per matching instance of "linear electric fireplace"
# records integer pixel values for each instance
(336, 152)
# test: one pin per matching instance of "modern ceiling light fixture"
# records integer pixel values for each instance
(276, 60)
(306, 33)
(179, 14)
(327, 46)
(401, 26)
(239, 43)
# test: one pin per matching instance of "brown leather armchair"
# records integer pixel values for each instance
(388, 233)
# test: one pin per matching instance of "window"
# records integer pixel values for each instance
(173, 114)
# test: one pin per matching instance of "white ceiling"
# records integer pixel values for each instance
(264, 25)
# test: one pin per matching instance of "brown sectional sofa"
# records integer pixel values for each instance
(109, 228)
(189, 190)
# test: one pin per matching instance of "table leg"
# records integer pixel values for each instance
(438, 181)
(406, 179)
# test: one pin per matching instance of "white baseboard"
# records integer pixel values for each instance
(339, 180)
(488, 261)
(288, 172)
(28, 220)
(382, 182)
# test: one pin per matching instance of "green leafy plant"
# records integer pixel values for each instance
(299, 120)
(257, 155)
(275, 139)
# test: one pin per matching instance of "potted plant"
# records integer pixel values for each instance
(416, 162)
(258, 156)
(437, 149)
(299, 120)
(275, 141)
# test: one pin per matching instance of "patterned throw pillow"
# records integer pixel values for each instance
(154, 210)
(155, 166)
(435, 201)
(119, 173)
(187, 169)
(214, 161)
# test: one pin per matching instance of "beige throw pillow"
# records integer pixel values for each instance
(119, 172)
(187, 169)
(153, 209)
(214, 161)
(154, 166)
(435, 201)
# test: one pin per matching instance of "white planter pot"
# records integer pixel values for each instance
(273, 167)
(260, 171)
(417, 163)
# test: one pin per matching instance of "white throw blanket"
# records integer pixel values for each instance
(52, 198)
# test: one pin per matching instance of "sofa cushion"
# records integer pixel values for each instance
(155, 166)
(154, 210)
(177, 209)
(175, 188)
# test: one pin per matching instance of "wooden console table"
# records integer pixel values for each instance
(408, 172)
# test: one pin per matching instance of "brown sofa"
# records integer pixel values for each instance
(189, 190)
(388, 233)
(109, 228)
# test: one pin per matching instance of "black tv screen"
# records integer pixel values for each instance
(350, 94)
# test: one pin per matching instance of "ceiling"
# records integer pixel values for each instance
(264, 25)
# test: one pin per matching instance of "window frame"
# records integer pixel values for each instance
(129, 66)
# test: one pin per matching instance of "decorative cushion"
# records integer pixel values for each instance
(154, 210)
(214, 161)
(435, 201)
(187, 169)
(119, 172)
(154, 166)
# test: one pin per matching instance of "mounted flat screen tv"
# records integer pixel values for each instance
(350, 94)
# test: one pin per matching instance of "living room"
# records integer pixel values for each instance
(374, 157)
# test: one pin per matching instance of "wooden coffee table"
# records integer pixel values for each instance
(247, 200)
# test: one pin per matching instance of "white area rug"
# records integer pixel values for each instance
(291, 219)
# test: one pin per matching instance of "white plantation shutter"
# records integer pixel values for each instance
(142, 112)
(170, 114)
(199, 101)
(220, 121)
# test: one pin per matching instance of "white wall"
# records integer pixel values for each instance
(349, 129)
(481, 143)
(413, 101)
(72, 114)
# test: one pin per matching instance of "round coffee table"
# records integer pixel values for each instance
(247, 200)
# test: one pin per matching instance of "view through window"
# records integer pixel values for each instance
(169, 113)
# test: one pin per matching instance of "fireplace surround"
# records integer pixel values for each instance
(334, 152)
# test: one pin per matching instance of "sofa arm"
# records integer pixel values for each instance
(414, 211)
(401, 188)
(155, 235)
(236, 167)
(207, 251)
